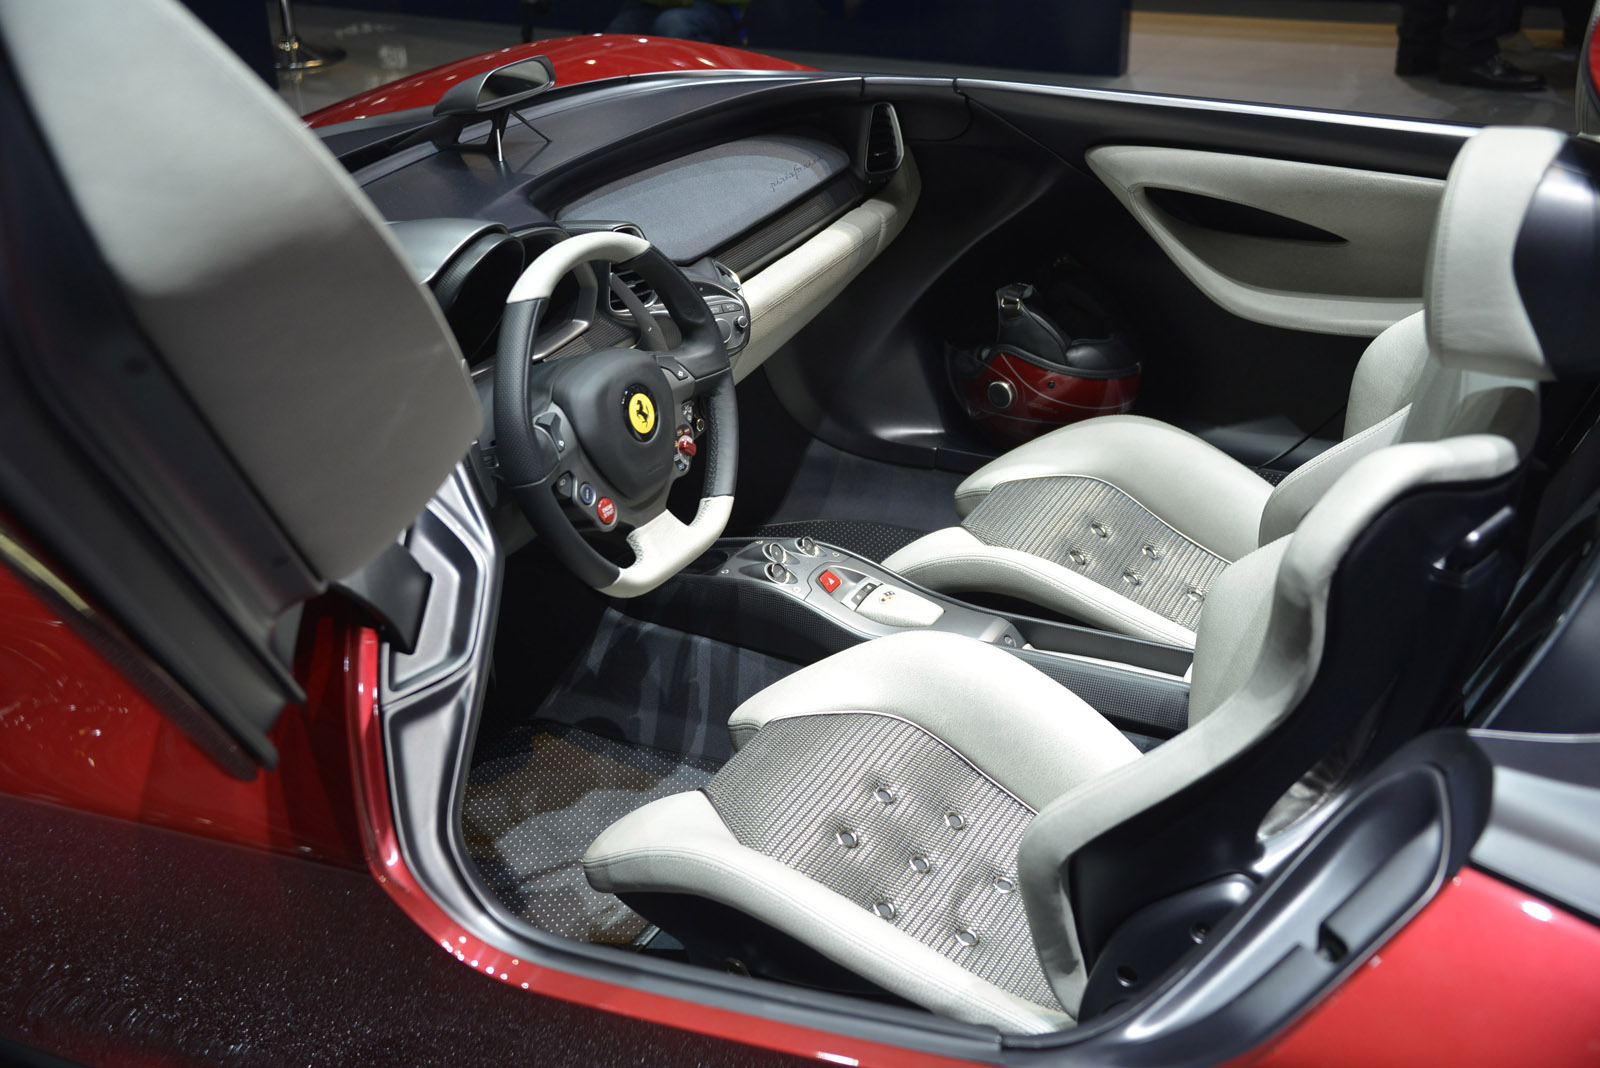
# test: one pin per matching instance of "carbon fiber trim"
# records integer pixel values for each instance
(602, 334)
(887, 815)
(1093, 528)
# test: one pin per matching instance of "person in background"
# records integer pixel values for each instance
(1458, 43)
(713, 21)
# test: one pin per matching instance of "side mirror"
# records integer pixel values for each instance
(498, 90)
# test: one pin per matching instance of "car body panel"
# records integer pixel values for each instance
(1486, 974)
(577, 59)
(74, 731)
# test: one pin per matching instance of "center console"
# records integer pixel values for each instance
(802, 600)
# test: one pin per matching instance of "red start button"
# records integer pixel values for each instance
(828, 581)
(605, 510)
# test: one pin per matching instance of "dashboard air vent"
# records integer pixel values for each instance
(638, 286)
(883, 150)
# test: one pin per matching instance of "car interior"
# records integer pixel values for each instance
(946, 557)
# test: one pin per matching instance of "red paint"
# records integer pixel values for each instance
(576, 59)
(389, 868)
(1484, 975)
(74, 732)
(1045, 398)
(1593, 64)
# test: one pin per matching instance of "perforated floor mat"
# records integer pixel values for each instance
(875, 541)
(536, 799)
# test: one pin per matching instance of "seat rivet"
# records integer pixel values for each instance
(1131, 577)
(967, 936)
(954, 821)
(848, 839)
(884, 796)
(1100, 530)
(1152, 552)
(920, 865)
(1196, 594)
(1078, 556)
(883, 910)
(1004, 885)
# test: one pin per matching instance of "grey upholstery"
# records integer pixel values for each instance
(887, 804)
(1179, 511)
(260, 272)
(943, 725)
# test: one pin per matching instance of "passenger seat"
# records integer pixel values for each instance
(1124, 522)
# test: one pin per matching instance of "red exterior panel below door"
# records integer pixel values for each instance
(1485, 975)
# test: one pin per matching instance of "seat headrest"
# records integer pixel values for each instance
(264, 279)
(1513, 262)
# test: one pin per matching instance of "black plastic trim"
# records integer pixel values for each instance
(1231, 217)
(1556, 261)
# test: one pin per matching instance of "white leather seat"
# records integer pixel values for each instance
(905, 808)
(1125, 523)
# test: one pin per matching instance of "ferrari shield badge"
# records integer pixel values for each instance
(641, 411)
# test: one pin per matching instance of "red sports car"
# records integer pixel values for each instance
(619, 551)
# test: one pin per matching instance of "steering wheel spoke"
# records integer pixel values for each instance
(592, 444)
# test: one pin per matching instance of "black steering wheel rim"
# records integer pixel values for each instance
(535, 436)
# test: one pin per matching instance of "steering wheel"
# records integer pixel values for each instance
(593, 443)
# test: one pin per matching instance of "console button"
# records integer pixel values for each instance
(563, 486)
(586, 495)
(606, 511)
(861, 594)
(806, 547)
(828, 581)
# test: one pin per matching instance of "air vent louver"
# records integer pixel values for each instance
(638, 286)
(883, 150)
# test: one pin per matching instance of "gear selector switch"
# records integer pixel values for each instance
(895, 607)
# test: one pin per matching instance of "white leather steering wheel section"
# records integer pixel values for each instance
(664, 546)
(539, 279)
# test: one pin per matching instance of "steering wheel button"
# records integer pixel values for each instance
(828, 581)
(606, 511)
(586, 495)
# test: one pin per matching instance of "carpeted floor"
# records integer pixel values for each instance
(535, 800)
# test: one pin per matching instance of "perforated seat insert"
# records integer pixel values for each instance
(885, 814)
(1093, 528)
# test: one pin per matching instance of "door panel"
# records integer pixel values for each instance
(1354, 267)
(1013, 196)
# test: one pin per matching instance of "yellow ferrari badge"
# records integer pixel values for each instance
(641, 414)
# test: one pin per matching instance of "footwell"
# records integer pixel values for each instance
(535, 800)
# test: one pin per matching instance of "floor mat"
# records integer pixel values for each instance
(875, 541)
(535, 800)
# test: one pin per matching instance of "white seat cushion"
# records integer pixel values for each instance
(864, 814)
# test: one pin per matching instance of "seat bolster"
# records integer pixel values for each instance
(1292, 498)
(1012, 722)
(1194, 487)
(954, 560)
(678, 844)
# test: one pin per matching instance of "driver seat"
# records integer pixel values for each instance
(899, 817)
(1124, 522)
